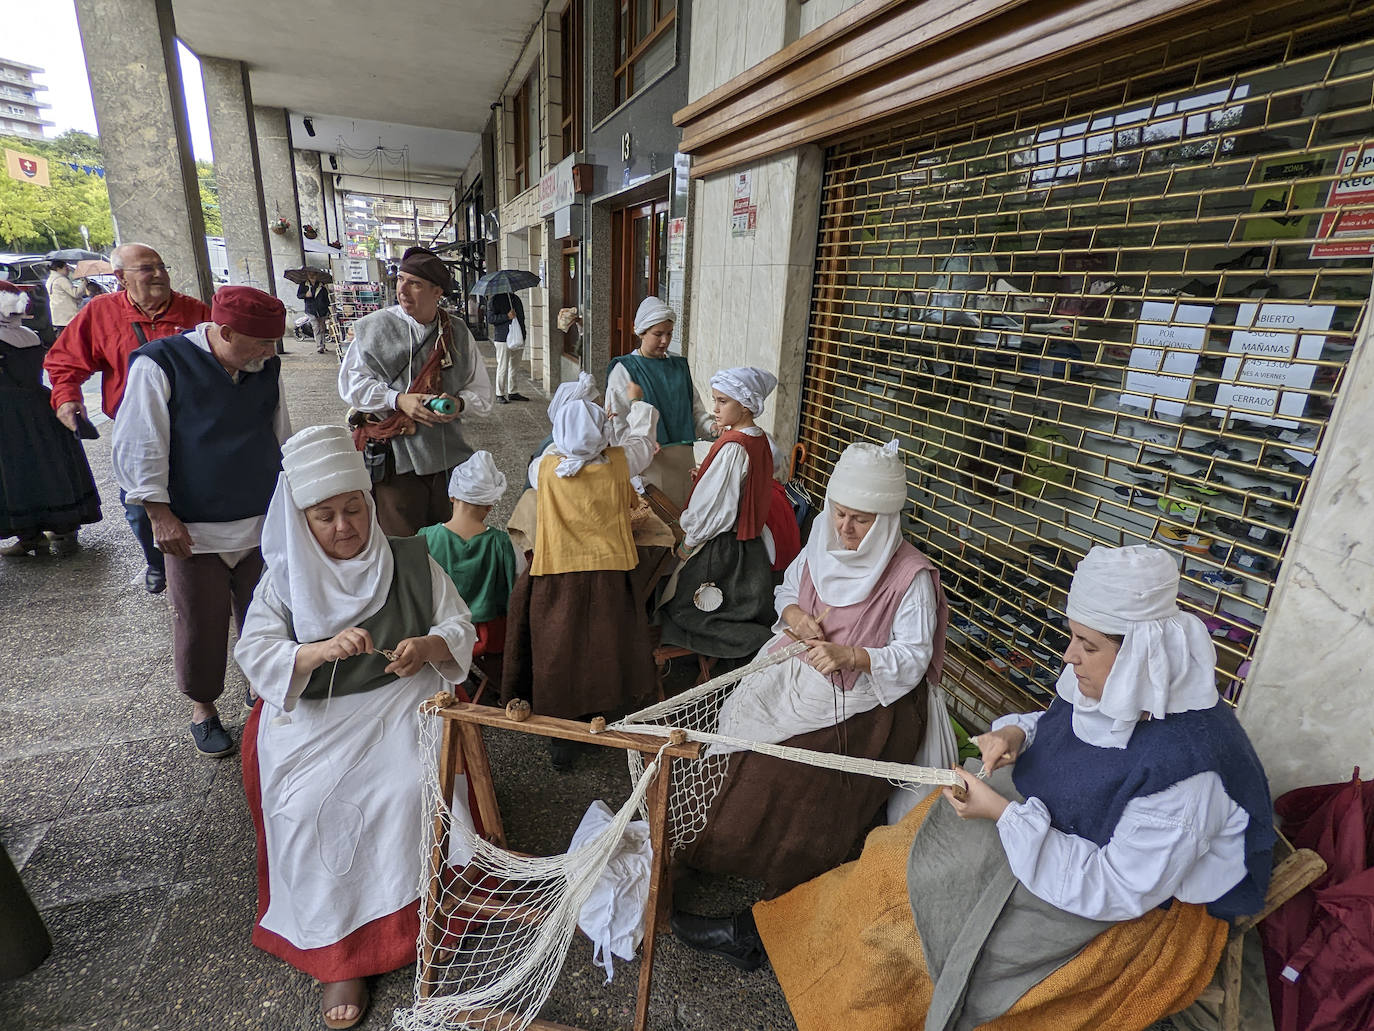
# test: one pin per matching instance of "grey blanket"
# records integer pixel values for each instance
(987, 939)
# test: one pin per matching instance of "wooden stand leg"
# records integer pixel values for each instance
(660, 901)
(450, 765)
(479, 776)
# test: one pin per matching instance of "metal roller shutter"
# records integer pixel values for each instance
(1113, 308)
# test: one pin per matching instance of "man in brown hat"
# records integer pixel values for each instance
(198, 445)
(411, 374)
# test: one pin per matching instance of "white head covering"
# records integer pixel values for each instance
(869, 478)
(747, 385)
(847, 577)
(13, 302)
(581, 389)
(1166, 662)
(325, 595)
(477, 481)
(651, 312)
(320, 462)
(580, 434)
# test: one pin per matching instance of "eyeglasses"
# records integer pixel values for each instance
(148, 270)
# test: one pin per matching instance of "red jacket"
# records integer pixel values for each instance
(101, 338)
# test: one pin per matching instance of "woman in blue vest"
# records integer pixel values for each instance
(1097, 894)
(664, 381)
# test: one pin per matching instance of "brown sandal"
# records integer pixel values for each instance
(337, 993)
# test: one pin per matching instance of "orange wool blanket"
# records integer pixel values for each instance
(845, 949)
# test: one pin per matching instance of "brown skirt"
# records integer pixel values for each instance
(577, 644)
(783, 822)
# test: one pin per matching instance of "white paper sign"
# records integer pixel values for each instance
(1165, 355)
(1264, 361)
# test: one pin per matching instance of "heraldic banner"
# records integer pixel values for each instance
(27, 168)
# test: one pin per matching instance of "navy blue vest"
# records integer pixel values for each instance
(1086, 788)
(224, 455)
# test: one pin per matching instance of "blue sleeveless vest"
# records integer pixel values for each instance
(1086, 788)
(224, 455)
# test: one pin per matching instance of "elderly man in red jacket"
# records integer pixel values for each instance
(101, 338)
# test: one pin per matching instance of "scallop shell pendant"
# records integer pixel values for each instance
(708, 597)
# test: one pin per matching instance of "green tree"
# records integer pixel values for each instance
(37, 218)
(209, 198)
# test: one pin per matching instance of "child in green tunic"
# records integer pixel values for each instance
(480, 559)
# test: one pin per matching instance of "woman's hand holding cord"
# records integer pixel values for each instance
(980, 802)
(1000, 747)
(344, 645)
(414, 652)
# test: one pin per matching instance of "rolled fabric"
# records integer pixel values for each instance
(321, 462)
(869, 478)
(650, 313)
(747, 385)
(477, 481)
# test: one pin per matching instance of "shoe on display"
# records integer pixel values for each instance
(1178, 508)
(1216, 449)
(1260, 565)
(1196, 543)
(1252, 533)
(1140, 494)
(1219, 579)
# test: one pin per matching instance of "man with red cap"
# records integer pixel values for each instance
(410, 375)
(198, 445)
(100, 339)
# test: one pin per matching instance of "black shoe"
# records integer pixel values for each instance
(734, 939)
(63, 544)
(26, 546)
(249, 699)
(516, 397)
(211, 739)
(154, 580)
(501, 399)
(561, 754)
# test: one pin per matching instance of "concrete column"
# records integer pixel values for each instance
(229, 101)
(332, 228)
(310, 191)
(279, 197)
(141, 112)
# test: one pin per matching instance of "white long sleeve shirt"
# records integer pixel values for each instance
(141, 448)
(898, 666)
(361, 387)
(618, 382)
(1185, 842)
(714, 505)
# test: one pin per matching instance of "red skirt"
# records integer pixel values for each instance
(379, 946)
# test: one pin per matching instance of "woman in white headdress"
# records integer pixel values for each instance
(663, 381)
(331, 757)
(1088, 886)
(871, 605)
(577, 643)
(721, 601)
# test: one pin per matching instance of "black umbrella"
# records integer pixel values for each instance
(298, 275)
(505, 281)
(74, 254)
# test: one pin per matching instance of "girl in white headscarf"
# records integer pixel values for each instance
(663, 381)
(331, 759)
(721, 601)
(577, 641)
(1098, 894)
(480, 559)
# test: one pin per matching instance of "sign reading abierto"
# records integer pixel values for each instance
(27, 168)
(1267, 340)
(1348, 231)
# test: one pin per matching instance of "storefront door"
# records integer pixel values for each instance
(639, 256)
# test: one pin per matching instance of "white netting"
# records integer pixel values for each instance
(697, 712)
(495, 927)
(494, 932)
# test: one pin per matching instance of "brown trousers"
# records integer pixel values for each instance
(408, 501)
(204, 591)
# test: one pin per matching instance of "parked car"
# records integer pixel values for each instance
(30, 273)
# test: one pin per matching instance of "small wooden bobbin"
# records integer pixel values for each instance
(598, 724)
(960, 791)
(444, 699)
(518, 709)
(677, 737)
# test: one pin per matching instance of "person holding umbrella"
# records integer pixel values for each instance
(312, 289)
(64, 296)
(506, 316)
